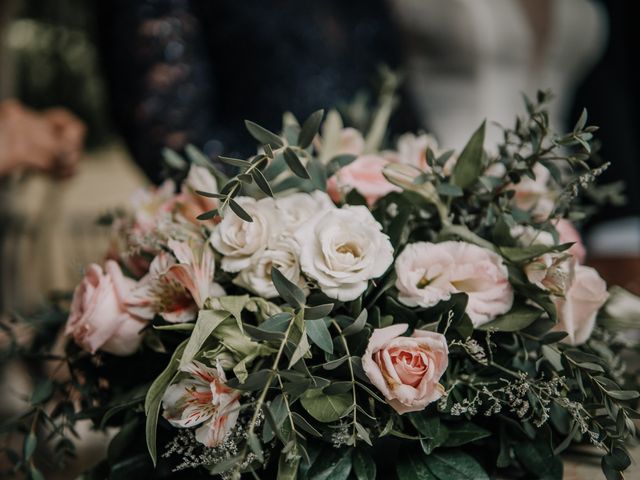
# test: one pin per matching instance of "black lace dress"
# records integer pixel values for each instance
(190, 71)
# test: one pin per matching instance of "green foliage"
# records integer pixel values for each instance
(515, 396)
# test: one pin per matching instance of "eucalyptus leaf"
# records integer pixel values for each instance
(518, 318)
(262, 182)
(239, 211)
(469, 165)
(207, 322)
(326, 408)
(364, 467)
(455, 464)
(310, 128)
(290, 292)
(263, 135)
(319, 334)
(411, 466)
(295, 164)
(357, 325)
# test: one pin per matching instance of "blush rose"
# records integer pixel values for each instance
(406, 370)
(99, 318)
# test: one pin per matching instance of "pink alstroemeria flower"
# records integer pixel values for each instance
(203, 399)
(177, 290)
(194, 270)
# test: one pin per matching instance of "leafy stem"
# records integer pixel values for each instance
(353, 382)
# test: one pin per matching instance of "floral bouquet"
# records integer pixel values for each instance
(340, 311)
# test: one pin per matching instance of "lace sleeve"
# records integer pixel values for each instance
(160, 79)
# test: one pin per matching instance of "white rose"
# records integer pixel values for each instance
(238, 240)
(577, 311)
(298, 208)
(283, 255)
(342, 250)
(431, 272)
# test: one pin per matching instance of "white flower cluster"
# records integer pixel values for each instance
(306, 237)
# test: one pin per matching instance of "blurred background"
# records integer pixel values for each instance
(111, 83)
(92, 91)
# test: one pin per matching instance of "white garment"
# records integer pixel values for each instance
(470, 60)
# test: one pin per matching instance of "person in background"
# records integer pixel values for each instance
(50, 142)
(191, 71)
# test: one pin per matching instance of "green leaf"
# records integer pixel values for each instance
(239, 211)
(236, 162)
(363, 465)
(154, 397)
(35, 474)
(254, 381)
(301, 422)
(207, 215)
(319, 311)
(310, 128)
(518, 318)
(277, 323)
(461, 231)
(29, 446)
(276, 414)
(469, 165)
(207, 322)
(623, 394)
(263, 135)
(431, 428)
(118, 444)
(174, 160)
(357, 325)
(523, 254)
(538, 459)
(290, 292)
(295, 164)
(449, 190)
(465, 433)
(196, 156)
(42, 392)
(454, 464)
(333, 364)
(287, 469)
(254, 445)
(331, 466)
(326, 408)
(319, 334)
(411, 466)
(262, 183)
(318, 174)
(298, 336)
(339, 161)
(219, 196)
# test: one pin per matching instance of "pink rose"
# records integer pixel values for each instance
(577, 311)
(406, 369)
(364, 174)
(99, 318)
(428, 273)
(569, 234)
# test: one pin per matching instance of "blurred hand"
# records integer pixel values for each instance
(50, 142)
(70, 133)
